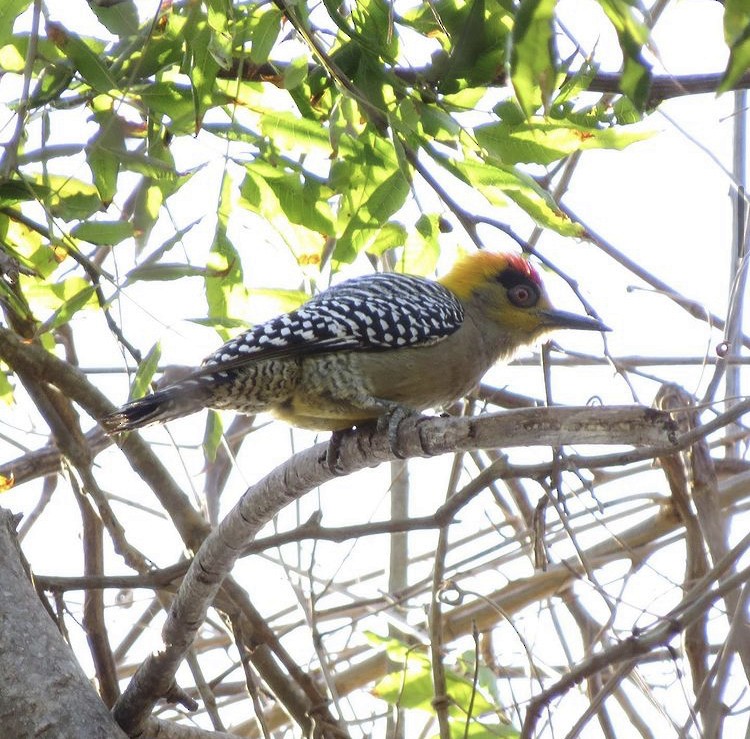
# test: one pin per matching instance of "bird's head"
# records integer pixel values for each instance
(508, 289)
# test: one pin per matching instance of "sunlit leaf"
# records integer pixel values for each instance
(18, 191)
(390, 236)
(374, 188)
(212, 436)
(498, 182)
(145, 372)
(288, 131)
(177, 102)
(119, 17)
(163, 272)
(84, 298)
(302, 200)
(541, 141)
(9, 11)
(632, 35)
(422, 248)
(104, 153)
(225, 290)
(412, 687)
(265, 35)
(86, 55)
(532, 61)
(71, 199)
(203, 68)
(103, 233)
(11, 59)
(295, 73)
(737, 35)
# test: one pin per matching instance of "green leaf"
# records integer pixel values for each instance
(288, 131)
(103, 233)
(45, 295)
(212, 436)
(48, 153)
(265, 35)
(16, 51)
(297, 209)
(104, 154)
(149, 166)
(543, 141)
(148, 201)
(157, 48)
(225, 290)
(302, 200)
(412, 687)
(18, 191)
(71, 199)
(497, 181)
(374, 188)
(175, 101)
(422, 248)
(24, 245)
(736, 18)
(86, 56)
(9, 11)
(119, 17)
(373, 20)
(54, 82)
(85, 297)
(203, 67)
(532, 61)
(737, 35)
(11, 59)
(222, 326)
(295, 73)
(390, 236)
(14, 304)
(469, 43)
(632, 35)
(220, 45)
(283, 300)
(145, 372)
(163, 272)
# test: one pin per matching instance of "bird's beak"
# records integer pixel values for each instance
(562, 319)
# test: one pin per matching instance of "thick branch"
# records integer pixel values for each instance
(663, 87)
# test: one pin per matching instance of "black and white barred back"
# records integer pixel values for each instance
(370, 313)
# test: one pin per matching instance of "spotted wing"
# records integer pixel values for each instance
(370, 313)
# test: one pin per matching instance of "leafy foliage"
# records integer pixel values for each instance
(330, 136)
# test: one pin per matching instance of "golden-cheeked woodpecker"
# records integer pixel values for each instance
(368, 347)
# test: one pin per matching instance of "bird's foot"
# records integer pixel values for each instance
(390, 423)
(333, 452)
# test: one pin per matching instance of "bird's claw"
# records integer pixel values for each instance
(333, 451)
(390, 423)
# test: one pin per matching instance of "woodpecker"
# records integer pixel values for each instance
(368, 347)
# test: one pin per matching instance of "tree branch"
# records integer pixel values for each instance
(357, 450)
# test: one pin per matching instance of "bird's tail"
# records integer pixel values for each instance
(162, 406)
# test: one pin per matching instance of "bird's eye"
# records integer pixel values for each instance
(523, 296)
